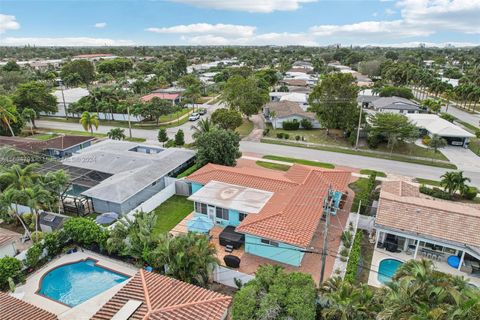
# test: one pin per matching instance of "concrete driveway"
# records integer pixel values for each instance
(258, 127)
(463, 158)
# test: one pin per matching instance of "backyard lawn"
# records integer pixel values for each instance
(171, 212)
(360, 187)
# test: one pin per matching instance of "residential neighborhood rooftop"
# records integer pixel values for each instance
(287, 108)
(12, 308)
(161, 297)
(436, 125)
(293, 213)
(160, 95)
(33, 145)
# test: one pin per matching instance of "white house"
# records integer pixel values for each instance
(7, 246)
(287, 111)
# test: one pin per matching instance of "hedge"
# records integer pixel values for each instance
(352, 266)
(291, 125)
(188, 171)
(435, 192)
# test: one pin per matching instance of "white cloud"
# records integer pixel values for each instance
(264, 6)
(414, 44)
(279, 39)
(8, 22)
(100, 25)
(206, 28)
(67, 42)
(390, 11)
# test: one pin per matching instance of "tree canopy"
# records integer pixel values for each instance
(244, 95)
(35, 95)
(227, 118)
(393, 127)
(82, 70)
(218, 146)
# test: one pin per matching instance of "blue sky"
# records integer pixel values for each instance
(240, 22)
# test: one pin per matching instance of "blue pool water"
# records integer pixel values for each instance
(75, 283)
(387, 269)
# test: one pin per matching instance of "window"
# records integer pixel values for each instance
(222, 213)
(200, 208)
(269, 242)
(241, 216)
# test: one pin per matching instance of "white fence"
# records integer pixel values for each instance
(101, 116)
(226, 276)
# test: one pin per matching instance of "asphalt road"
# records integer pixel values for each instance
(149, 135)
(389, 166)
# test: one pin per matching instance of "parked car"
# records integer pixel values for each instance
(202, 111)
(194, 117)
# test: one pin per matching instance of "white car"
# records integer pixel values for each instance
(194, 117)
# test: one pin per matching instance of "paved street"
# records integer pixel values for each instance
(473, 119)
(394, 167)
(149, 135)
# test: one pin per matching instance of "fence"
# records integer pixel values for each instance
(182, 187)
(226, 276)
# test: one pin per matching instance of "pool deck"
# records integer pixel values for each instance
(381, 254)
(27, 292)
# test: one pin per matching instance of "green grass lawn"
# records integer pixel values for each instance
(188, 171)
(51, 133)
(274, 166)
(314, 136)
(474, 145)
(44, 136)
(412, 150)
(394, 156)
(171, 212)
(428, 182)
(369, 172)
(359, 187)
(301, 161)
(245, 129)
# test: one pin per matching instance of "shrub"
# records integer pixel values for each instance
(84, 231)
(374, 140)
(347, 238)
(352, 266)
(344, 252)
(435, 192)
(297, 138)
(426, 140)
(470, 193)
(179, 138)
(33, 255)
(477, 134)
(10, 268)
(280, 135)
(291, 125)
(170, 143)
(306, 124)
(52, 243)
(266, 131)
(286, 136)
(37, 236)
(447, 117)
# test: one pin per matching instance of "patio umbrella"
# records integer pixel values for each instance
(199, 224)
(106, 218)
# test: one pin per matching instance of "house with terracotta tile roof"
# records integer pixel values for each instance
(410, 225)
(277, 213)
(173, 97)
(15, 309)
(151, 296)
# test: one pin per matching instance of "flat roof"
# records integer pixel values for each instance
(436, 125)
(231, 196)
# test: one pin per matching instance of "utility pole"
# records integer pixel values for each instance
(63, 97)
(327, 209)
(359, 124)
(129, 123)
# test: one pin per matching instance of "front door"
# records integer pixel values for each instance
(211, 213)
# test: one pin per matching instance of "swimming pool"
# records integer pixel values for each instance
(74, 283)
(387, 269)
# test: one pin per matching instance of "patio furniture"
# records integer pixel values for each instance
(391, 247)
(453, 261)
(228, 248)
(232, 261)
(229, 237)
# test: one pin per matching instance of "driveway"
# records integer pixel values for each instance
(258, 127)
(463, 158)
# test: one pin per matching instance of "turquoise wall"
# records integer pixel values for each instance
(284, 253)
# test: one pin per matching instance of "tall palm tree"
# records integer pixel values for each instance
(204, 125)
(88, 121)
(30, 115)
(36, 197)
(7, 115)
(14, 196)
(56, 182)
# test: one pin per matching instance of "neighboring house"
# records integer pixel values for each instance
(278, 213)
(65, 98)
(410, 225)
(276, 95)
(294, 82)
(58, 147)
(173, 97)
(151, 296)
(287, 111)
(95, 56)
(15, 309)
(389, 104)
(300, 98)
(128, 173)
(7, 245)
(50, 222)
(432, 124)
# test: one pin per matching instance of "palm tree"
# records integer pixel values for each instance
(454, 181)
(436, 142)
(117, 134)
(88, 121)
(30, 114)
(35, 197)
(204, 125)
(14, 196)
(19, 177)
(56, 182)
(7, 115)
